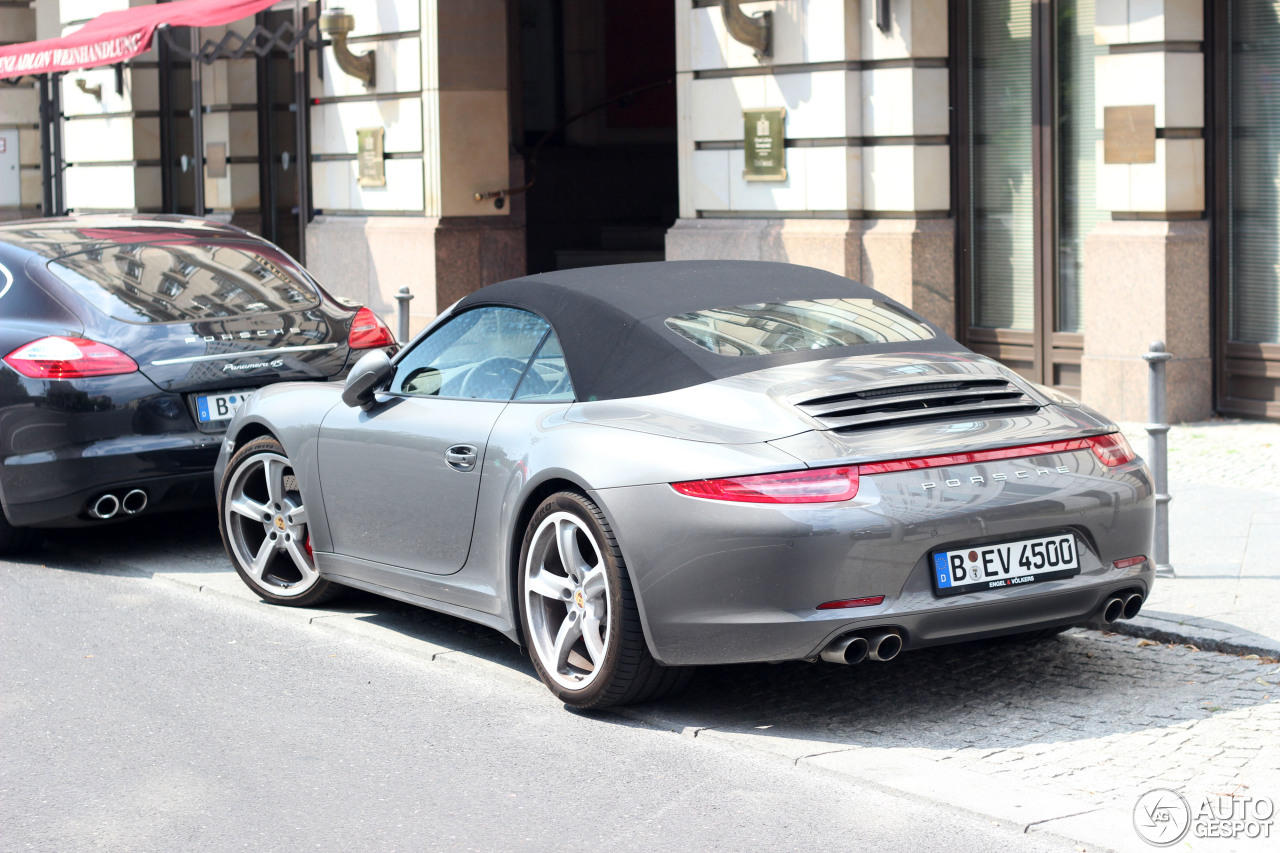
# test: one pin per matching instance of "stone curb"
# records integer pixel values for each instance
(1052, 816)
(1204, 634)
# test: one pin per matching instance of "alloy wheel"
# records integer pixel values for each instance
(566, 587)
(266, 525)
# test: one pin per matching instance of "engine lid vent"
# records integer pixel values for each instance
(919, 402)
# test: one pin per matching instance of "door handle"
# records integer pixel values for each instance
(461, 457)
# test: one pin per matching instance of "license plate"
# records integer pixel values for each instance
(1001, 565)
(211, 408)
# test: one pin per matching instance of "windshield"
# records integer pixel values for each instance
(774, 327)
(186, 281)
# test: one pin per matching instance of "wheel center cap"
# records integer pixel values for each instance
(280, 522)
(579, 599)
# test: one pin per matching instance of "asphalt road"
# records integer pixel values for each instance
(135, 715)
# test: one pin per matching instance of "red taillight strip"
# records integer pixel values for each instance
(1110, 449)
(976, 456)
(1129, 561)
(871, 601)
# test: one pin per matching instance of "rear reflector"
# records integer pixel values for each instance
(68, 358)
(852, 602)
(819, 485)
(368, 331)
(1130, 561)
(792, 487)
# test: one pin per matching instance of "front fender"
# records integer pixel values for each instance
(292, 413)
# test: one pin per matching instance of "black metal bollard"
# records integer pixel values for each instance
(1158, 452)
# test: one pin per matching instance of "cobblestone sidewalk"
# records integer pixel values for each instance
(1224, 537)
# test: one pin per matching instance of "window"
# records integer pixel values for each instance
(547, 379)
(773, 327)
(216, 285)
(479, 355)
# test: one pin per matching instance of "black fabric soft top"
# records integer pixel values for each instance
(612, 320)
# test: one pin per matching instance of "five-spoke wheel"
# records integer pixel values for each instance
(264, 526)
(578, 612)
(566, 596)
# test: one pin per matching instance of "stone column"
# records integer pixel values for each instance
(1146, 273)
(111, 138)
(867, 193)
(442, 87)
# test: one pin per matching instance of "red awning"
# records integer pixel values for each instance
(116, 36)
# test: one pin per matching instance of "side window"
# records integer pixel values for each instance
(479, 355)
(547, 379)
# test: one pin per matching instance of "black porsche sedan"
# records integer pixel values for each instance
(126, 345)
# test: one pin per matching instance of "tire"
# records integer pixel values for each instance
(264, 527)
(582, 624)
(15, 539)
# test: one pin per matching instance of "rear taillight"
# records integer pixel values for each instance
(792, 487)
(841, 484)
(368, 331)
(1111, 449)
(68, 358)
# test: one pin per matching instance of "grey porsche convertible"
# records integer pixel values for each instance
(632, 470)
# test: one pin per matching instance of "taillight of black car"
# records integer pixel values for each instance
(369, 332)
(60, 357)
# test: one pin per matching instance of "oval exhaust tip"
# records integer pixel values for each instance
(884, 647)
(105, 507)
(1132, 605)
(134, 502)
(1113, 610)
(850, 649)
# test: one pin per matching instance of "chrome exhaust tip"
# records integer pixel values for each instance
(105, 507)
(1112, 610)
(134, 502)
(1132, 605)
(884, 646)
(849, 649)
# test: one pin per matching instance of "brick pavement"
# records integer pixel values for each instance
(1099, 717)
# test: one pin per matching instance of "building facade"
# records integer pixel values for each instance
(1055, 182)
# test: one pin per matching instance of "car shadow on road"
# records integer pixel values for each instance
(993, 694)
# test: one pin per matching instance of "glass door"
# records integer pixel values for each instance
(1027, 153)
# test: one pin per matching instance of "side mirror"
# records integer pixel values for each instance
(371, 372)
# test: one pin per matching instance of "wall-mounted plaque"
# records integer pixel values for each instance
(764, 142)
(1129, 134)
(369, 157)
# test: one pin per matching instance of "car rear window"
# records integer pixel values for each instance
(774, 327)
(186, 281)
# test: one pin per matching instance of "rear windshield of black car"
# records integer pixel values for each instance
(185, 281)
(776, 327)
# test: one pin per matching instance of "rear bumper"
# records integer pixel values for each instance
(732, 583)
(54, 488)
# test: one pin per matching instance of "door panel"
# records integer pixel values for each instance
(389, 491)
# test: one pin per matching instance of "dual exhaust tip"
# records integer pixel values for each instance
(877, 644)
(884, 644)
(108, 505)
(1121, 606)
